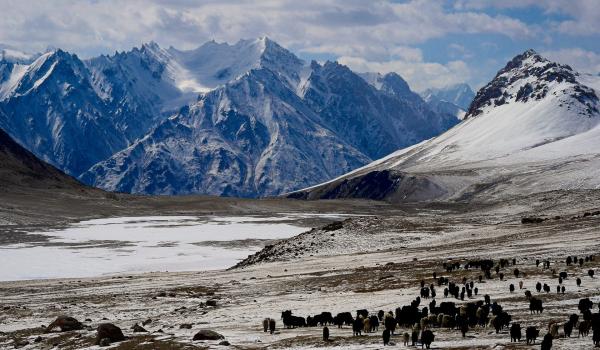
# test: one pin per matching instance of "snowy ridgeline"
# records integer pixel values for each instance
(247, 119)
(144, 244)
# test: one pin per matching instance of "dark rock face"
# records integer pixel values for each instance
(333, 226)
(376, 185)
(207, 334)
(109, 331)
(65, 323)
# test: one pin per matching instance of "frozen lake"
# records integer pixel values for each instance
(145, 244)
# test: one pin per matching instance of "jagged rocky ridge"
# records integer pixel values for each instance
(533, 128)
(248, 119)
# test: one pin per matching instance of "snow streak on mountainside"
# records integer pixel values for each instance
(535, 126)
(277, 124)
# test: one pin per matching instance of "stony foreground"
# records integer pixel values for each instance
(370, 262)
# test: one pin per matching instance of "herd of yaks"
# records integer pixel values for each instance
(482, 313)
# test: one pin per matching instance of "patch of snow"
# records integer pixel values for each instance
(214, 64)
(143, 244)
(17, 73)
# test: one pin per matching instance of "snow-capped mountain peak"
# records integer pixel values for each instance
(21, 79)
(391, 83)
(529, 77)
(214, 64)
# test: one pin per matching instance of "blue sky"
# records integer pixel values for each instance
(431, 43)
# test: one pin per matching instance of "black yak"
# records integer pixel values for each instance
(325, 333)
(547, 342)
(531, 334)
(386, 337)
(291, 321)
(515, 332)
(536, 305)
(427, 338)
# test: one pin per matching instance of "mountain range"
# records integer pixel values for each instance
(535, 127)
(249, 119)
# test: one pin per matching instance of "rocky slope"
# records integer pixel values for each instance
(535, 117)
(19, 168)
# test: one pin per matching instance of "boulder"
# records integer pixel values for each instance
(20, 343)
(65, 323)
(138, 329)
(207, 334)
(185, 326)
(110, 331)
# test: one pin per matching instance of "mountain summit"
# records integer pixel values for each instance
(535, 116)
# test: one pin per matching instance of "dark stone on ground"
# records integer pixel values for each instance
(65, 323)
(207, 334)
(110, 331)
(137, 328)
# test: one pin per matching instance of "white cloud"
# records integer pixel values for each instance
(379, 35)
(584, 14)
(580, 60)
(358, 28)
(419, 75)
